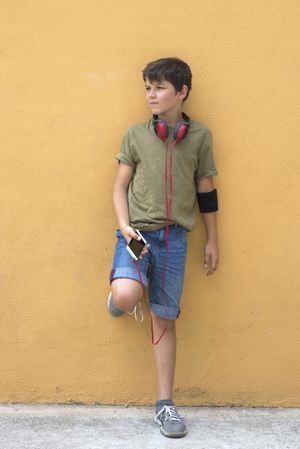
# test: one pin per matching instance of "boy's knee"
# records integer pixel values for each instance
(122, 301)
(124, 298)
(161, 322)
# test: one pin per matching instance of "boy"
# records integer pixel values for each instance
(165, 166)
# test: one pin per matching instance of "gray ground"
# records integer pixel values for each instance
(103, 427)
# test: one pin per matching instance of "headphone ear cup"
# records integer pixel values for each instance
(181, 131)
(161, 129)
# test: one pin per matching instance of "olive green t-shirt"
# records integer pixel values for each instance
(192, 159)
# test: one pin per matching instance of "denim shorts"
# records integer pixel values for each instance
(164, 304)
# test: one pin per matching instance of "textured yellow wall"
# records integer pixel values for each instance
(70, 86)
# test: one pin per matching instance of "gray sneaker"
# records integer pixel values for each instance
(171, 424)
(111, 308)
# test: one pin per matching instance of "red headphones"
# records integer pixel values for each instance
(162, 131)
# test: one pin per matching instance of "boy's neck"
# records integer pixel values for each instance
(172, 118)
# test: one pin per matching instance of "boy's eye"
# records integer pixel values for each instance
(158, 87)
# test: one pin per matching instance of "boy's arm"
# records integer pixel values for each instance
(210, 220)
(120, 188)
(120, 202)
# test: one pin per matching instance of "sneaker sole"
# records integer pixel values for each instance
(170, 434)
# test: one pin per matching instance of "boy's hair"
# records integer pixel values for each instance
(174, 70)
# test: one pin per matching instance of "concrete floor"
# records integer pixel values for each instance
(103, 427)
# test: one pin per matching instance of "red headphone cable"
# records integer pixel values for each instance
(168, 211)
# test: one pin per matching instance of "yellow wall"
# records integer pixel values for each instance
(71, 85)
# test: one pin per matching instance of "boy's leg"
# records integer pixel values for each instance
(171, 424)
(165, 310)
(165, 305)
(165, 356)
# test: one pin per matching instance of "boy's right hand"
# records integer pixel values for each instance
(128, 233)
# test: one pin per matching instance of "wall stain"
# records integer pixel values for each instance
(193, 392)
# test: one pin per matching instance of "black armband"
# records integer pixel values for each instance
(208, 201)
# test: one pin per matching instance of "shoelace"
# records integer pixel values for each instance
(134, 312)
(168, 412)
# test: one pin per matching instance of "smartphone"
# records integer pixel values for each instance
(135, 247)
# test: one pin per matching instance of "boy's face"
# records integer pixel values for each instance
(162, 97)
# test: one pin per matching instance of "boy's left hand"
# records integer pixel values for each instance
(211, 256)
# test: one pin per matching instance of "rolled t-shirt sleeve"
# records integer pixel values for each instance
(206, 162)
(126, 153)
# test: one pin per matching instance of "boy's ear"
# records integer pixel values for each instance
(184, 92)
